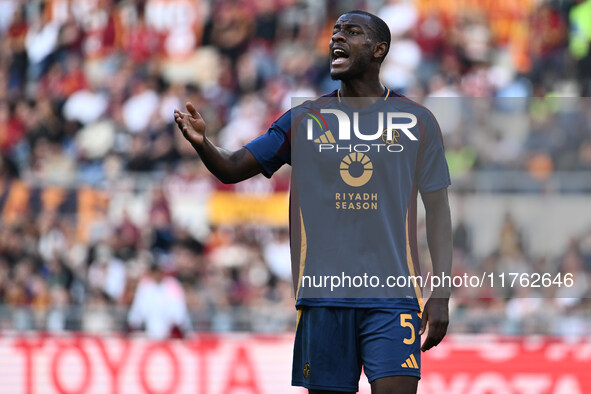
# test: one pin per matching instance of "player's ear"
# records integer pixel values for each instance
(380, 50)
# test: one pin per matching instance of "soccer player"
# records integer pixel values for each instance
(336, 337)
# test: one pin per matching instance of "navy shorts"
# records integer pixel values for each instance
(333, 343)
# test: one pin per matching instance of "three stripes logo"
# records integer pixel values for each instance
(410, 362)
(325, 138)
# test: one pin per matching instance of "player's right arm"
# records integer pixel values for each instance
(228, 167)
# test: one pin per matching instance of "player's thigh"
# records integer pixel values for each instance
(329, 392)
(326, 357)
(395, 385)
(390, 345)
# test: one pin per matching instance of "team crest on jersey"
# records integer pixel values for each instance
(395, 137)
(306, 370)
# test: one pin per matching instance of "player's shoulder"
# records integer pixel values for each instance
(302, 107)
(409, 105)
(325, 99)
(319, 102)
(428, 125)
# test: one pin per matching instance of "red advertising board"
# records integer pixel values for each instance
(483, 364)
(246, 363)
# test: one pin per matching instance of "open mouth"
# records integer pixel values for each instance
(339, 56)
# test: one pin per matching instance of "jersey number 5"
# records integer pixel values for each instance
(406, 321)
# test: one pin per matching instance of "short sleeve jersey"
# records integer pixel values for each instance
(353, 203)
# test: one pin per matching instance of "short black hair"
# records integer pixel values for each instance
(379, 27)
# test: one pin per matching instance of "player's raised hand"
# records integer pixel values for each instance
(191, 124)
(436, 314)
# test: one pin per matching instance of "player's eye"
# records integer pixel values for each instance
(354, 32)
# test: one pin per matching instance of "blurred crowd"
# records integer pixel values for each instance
(88, 88)
(538, 294)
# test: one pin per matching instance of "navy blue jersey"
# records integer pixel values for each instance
(354, 190)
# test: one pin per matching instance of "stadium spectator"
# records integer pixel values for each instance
(159, 306)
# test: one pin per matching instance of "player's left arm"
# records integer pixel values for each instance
(438, 220)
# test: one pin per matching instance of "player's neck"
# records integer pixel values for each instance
(362, 88)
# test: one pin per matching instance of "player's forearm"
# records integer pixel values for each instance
(228, 167)
(439, 230)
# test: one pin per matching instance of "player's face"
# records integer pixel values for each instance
(351, 47)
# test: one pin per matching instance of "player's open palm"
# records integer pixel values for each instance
(191, 124)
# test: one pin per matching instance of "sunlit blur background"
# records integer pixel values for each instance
(111, 224)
